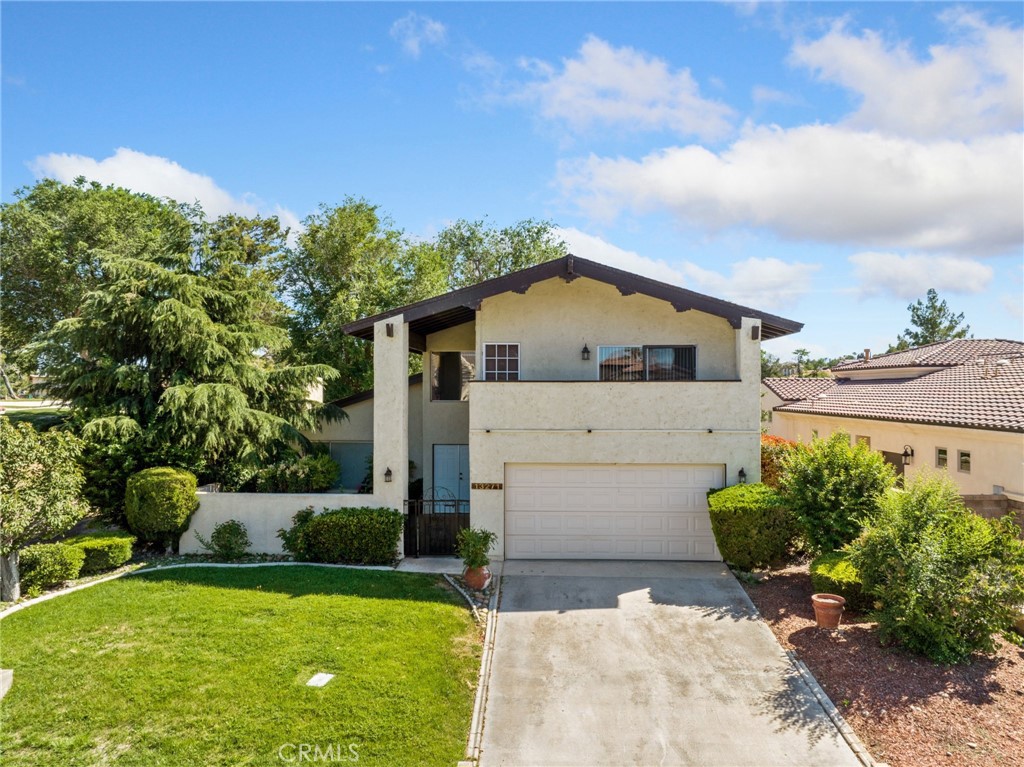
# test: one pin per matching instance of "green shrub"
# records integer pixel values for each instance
(474, 543)
(159, 503)
(833, 488)
(752, 526)
(103, 551)
(833, 573)
(944, 580)
(364, 536)
(49, 564)
(774, 451)
(310, 474)
(229, 540)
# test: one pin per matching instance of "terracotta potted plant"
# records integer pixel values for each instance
(828, 610)
(473, 545)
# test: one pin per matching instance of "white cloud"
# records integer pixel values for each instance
(762, 94)
(604, 86)
(761, 283)
(972, 86)
(414, 31)
(912, 275)
(824, 183)
(160, 177)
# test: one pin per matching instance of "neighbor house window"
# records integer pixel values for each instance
(941, 457)
(647, 363)
(963, 459)
(501, 362)
(862, 440)
(450, 374)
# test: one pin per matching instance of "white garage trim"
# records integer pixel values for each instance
(610, 511)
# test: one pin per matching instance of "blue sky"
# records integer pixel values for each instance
(828, 162)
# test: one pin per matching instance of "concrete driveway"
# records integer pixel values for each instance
(644, 663)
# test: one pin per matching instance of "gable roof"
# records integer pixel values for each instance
(459, 306)
(793, 389)
(940, 354)
(988, 396)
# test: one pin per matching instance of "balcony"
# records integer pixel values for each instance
(613, 405)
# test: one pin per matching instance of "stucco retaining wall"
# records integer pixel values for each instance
(263, 514)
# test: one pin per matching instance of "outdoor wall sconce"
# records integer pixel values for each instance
(908, 453)
(742, 475)
(390, 327)
(755, 333)
(388, 474)
(585, 353)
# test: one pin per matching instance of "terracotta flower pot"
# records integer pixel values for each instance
(477, 578)
(828, 610)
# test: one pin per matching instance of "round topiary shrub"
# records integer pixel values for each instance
(229, 540)
(833, 573)
(752, 526)
(49, 564)
(159, 502)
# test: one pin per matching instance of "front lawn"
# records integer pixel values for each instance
(209, 666)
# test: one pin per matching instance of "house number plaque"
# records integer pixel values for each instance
(487, 486)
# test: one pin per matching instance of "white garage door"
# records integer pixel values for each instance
(620, 511)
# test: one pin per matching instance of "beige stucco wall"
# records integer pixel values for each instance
(391, 411)
(443, 423)
(554, 319)
(664, 422)
(263, 514)
(997, 458)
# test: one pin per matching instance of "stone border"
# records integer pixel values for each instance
(476, 725)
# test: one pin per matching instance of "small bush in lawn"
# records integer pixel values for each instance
(944, 579)
(833, 488)
(752, 526)
(365, 535)
(833, 573)
(229, 540)
(103, 551)
(310, 474)
(159, 502)
(49, 564)
(774, 451)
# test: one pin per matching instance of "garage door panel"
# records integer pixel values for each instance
(610, 512)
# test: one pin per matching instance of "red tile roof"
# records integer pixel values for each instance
(792, 389)
(987, 396)
(941, 354)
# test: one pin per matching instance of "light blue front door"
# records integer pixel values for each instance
(451, 472)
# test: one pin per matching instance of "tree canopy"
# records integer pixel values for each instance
(932, 321)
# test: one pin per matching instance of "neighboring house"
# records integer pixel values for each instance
(956, 406)
(583, 411)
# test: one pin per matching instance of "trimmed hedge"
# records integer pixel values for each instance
(833, 573)
(774, 451)
(752, 526)
(103, 551)
(229, 540)
(363, 536)
(49, 564)
(159, 502)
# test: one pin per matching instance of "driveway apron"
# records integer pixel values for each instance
(644, 663)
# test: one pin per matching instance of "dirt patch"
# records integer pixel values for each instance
(909, 711)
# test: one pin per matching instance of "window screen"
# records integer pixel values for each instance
(671, 363)
(620, 363)
(501, 362)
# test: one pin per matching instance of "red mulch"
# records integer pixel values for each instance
(909, 711)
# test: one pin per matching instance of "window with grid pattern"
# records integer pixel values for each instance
(501, 362)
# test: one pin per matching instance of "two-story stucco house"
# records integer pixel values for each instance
(582, 411)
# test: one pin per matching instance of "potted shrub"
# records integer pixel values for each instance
(828, 610)
(473, 545)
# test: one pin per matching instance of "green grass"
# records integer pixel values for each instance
(41, 418)
(208, 666)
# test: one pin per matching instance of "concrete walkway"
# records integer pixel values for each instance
(644, 663)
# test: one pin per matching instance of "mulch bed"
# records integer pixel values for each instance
(909, 711)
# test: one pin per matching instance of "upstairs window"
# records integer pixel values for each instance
(941, 458)
(964, 461)
(647, 363)
(450, 374)
(501, 362)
